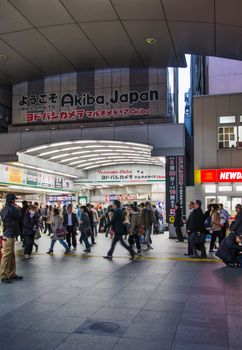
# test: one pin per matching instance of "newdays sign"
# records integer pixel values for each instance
(221, 175)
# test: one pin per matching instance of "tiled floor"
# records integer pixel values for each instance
(155, 303)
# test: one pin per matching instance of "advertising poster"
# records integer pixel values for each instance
(32, 177)
(175, 186)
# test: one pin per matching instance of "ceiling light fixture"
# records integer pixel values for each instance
(3, 57)
(151, 41)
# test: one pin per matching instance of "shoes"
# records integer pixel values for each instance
(87, 250)
(211, 251)
(139, 253)
(108, 257)
(67, 251)
(80, 242)
(203, 256)
(27, 256)
(187, 254)
(150, 247)
(16, 278)
(180, 240)
(94, 243)
(75, 248)
(36, 248)
(6, 280)
(50, 252)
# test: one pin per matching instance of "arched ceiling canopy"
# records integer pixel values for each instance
(86, 155)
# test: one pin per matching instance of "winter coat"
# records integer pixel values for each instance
(30, 225)
(216, 221)
(57, 223)
(178, 218)
(237, 224)
(229, 249)
(196, 223)
(134, 223)
(147, 218)
(11, 217)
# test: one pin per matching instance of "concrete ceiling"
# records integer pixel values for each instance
(47, 37)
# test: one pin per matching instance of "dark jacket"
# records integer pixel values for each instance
(178, 218)
(30, 225)
(229, 249)
(74, 221)
(117, 221)
(197, 221)
(85, 221)
(147, 218)
(189, 222)
(11, 217)
(237, 224)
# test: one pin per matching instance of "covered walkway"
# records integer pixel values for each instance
(162, 301)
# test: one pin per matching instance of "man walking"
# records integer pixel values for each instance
(11, 218)
(147, 221)
(197, 236)
(71, 224)
(117, 223)
(189, 228)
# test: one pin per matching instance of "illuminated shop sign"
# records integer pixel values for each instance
(219, 175)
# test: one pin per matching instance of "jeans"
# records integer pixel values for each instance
(28, 244)
(71, 236)
(62, 242)
(147, 235)
(118, 237)
(135, 239)
(84, 238)
(95, 228)
(214, 236)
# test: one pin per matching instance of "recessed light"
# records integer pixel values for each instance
(151, 41)
(52, 128)
(3, 57)
(26, 129)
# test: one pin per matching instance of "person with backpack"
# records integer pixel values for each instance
(117, 223)
(11, 217)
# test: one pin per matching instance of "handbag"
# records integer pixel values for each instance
(61, 231)
(37, 234)
(198, 238)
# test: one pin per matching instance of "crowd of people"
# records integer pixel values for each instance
(215, 224)
(131, 225)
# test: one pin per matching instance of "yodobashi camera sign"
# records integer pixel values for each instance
(100, 94)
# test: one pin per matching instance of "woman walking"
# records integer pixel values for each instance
(30, 226)
(58, 233)
(216, 227)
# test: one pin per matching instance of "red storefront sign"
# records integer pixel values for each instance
(221, 175)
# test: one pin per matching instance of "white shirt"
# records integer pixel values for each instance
(69, 219)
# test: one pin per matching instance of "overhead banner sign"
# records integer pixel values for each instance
(175, 186)
(140, 174)
(218, 175)
(28, 177)
(98, 94)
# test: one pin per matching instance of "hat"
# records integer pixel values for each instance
(10, 197)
